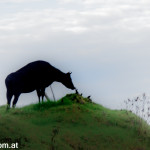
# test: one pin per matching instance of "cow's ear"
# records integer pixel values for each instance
(69, 73)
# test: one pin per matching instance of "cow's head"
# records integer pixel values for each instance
(67, 81)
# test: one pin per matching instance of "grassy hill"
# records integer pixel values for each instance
(73, 123)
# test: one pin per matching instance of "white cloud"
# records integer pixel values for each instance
(19, 1)
(108, 17)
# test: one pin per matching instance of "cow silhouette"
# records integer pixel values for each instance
(34, 76)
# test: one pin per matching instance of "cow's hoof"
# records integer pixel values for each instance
(8, 107)
(13, 106)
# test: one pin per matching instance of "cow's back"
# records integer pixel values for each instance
(29, 77)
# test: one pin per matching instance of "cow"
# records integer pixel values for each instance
(37, 76)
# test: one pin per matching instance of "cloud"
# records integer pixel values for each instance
(18, 1)
(121, 17)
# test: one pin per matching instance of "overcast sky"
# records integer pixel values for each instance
(105, 43)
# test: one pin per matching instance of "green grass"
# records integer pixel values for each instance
(74, 124)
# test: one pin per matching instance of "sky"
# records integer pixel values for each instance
(104, 43)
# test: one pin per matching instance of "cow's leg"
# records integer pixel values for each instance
(9, 97)
(38, 94)
(15, 100)
(43, 93)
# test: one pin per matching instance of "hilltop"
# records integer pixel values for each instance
(73, 123)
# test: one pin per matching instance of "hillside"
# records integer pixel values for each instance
(73, 123)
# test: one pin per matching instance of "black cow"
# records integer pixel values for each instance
(34, 76)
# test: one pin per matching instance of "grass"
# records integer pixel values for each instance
(74, 124)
